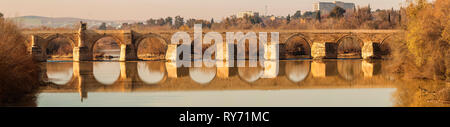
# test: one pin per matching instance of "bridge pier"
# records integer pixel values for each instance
(324, 50)
(271, 52)
(83, 71)
(171, 53)
(127, 53)
(82, 54)
(37, 54)
(371, 50)
(36, 51)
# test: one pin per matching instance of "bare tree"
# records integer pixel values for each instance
(179, 21)
(337, 12)
(102, 27)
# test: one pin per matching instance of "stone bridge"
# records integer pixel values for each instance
(316, 44)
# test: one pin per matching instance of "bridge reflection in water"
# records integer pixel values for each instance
(84, 77)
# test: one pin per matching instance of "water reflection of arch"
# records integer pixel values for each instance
(106, 73)
(250, 74)
(297, 71)
(60, 73)
(349, 69)
(204, 74)
(152, 72)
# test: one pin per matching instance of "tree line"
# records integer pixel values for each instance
(338, 18)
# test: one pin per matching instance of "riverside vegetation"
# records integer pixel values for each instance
(20, 77)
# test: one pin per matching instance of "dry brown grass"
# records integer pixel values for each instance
(19, 74)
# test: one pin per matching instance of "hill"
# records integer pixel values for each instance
(53, 22)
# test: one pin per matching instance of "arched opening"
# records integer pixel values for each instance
(204, 47)
(152, 72)
(106, 73)
(350, 69)
(349, 47)
(59, 48)
(151, 48)
(59, 73)
(297, 47)
(385, 47)
(250, 49)
(297, 71)
(106, 48)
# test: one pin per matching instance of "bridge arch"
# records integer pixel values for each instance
(301, 47)
(50, 41)
(385, 45)
(95, 41)
(55, 36)
(157, 50)
(349, 48)
(385, 40)
(92, 48)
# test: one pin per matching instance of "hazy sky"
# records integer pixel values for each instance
(144, 9)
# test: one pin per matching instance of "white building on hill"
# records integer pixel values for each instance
(326, 7)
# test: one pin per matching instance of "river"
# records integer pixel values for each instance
(287, 83)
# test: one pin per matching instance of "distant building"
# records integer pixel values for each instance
(326, 7)
(248, 13)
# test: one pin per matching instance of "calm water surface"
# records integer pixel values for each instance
(292, 83)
